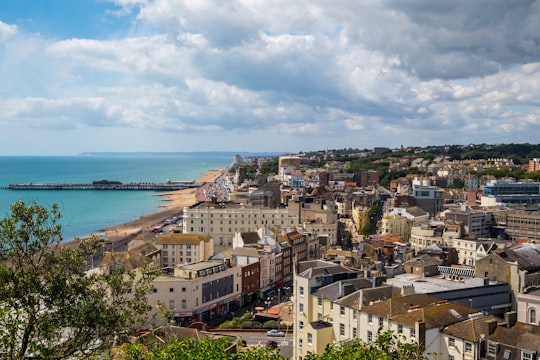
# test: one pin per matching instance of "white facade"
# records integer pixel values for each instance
(222, 222)
(528, 307)
(197, 291)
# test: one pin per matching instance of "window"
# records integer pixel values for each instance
(492, 349)
(301, 291)
(370, 319)
(309, 338)
(184, 304)
(354, 332)
(381, 321)
(171, 304)
(301, 307)
(342, 329)
(526, 355)
(342, 310)
(319, 301)
(413, 333)
(532, 316)
(183, 289)
(468, 347)
(400, 329)
(451, 341)
(301, 324)
(369, 336)
(171, 289)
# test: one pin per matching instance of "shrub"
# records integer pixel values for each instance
(250, 325)
(245, 317)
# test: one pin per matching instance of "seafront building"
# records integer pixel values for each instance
(222, 221)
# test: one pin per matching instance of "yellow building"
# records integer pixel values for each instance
(396, 225)
(360, 216)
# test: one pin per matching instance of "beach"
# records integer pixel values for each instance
(173, 205)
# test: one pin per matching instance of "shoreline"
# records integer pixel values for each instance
(174, 203)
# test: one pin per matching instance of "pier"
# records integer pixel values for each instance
(106, 185)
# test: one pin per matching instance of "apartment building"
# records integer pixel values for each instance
(197, 292)
(416, 318)
(177, 248)
(288, 165)
(534, 165)
(396, 225)
(423, 235)
(222, 221)
(428, 198)
(509, 192)
(310, 276)
(519, 223)
(475, 223)
(248, 260)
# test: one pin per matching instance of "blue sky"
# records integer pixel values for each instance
(179, 75)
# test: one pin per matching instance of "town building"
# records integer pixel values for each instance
(310, 276)
(519, 224)
(222, 221)
(509, 192)
(428, 198)
(198, 291)
(178, 248)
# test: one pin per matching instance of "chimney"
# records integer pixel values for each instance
(490, 326)
(510, 318)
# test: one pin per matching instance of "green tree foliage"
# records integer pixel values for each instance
(203, 349)
(270, 167)
(386, 346)
(49, 306)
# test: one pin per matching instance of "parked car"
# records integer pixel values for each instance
(272, 343)
(275, 332)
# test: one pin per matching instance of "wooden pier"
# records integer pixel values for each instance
(106, 185)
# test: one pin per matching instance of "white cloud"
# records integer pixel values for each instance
(318, 74)
(7, 31)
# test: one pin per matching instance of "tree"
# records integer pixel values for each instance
(49, 305)
(204, 349)
(386, 346)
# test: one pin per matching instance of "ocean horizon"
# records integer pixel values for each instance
(88, 211)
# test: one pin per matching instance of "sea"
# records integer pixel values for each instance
(85, 212)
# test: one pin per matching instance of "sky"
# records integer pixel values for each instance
(266, 76)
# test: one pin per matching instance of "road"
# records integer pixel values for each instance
(285, 344)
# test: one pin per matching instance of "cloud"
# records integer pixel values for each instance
(7, 31)
(314, 74)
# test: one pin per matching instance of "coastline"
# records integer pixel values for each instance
(174, 203)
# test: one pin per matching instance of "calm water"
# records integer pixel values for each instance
(85, 212)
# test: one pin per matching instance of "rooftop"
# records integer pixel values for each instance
(427, 285)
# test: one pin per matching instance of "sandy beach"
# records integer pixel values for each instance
(173, 205)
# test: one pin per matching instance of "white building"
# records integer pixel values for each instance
(222, 221)
(198, 291)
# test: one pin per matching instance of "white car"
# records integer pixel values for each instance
(275, 332)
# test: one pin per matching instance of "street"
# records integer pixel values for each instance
(256, 338)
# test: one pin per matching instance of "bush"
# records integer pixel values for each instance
(271, 324)
(230, 324)
(245, 317)
(250, 325)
